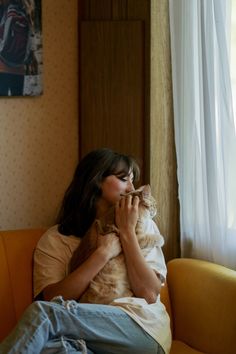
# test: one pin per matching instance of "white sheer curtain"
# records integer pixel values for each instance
(204, 129)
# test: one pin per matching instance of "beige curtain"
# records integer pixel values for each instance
(163, 176)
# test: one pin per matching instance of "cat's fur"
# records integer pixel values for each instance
(112, 281)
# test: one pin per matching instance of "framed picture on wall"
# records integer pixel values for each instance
(21, 56)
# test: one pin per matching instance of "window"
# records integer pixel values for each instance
(233, 55)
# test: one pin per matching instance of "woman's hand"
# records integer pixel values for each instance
(109, 244)
(73, 286)
(127, 214)
(143, 280)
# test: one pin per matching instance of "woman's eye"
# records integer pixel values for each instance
(123, 179)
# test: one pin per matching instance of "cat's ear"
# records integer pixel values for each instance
(146, 190)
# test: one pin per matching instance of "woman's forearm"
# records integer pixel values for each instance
(143, 280)
(73, 286)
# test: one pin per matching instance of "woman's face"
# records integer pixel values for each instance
(114, 186)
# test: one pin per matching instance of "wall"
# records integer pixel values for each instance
(39, 136)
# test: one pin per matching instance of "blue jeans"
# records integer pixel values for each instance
(59, 327)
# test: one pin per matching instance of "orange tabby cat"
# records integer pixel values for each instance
(112, 281)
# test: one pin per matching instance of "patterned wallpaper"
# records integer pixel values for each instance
(39, 135)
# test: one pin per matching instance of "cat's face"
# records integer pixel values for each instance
(147, 203)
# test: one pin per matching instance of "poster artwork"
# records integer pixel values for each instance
(20, 48)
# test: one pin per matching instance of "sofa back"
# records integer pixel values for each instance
(16, 257)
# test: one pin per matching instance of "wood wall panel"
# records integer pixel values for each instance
(138, 9)
(84, 9)
(141, 9)
(111, 79)
(119, 10)
(100, 9)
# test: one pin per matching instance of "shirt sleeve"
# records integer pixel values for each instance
(155, 257)
(51, 259)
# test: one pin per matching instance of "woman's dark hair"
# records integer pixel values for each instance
(78, 208)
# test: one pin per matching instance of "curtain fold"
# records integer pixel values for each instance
(204, 129)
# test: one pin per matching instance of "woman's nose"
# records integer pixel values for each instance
(130, 187)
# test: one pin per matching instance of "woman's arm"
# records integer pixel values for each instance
(73, 286)
(143, 280)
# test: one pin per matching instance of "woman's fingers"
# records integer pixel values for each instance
(128, 201)
(135, 201)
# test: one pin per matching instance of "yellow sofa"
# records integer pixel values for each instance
(200, 296)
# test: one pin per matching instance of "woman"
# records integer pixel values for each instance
(60, 324)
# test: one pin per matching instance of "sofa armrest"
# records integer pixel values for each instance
(203, 303)
(16, 260)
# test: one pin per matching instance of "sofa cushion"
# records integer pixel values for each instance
(179, 347)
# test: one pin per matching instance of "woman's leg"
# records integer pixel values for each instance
(105, 329)
(65, 345)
